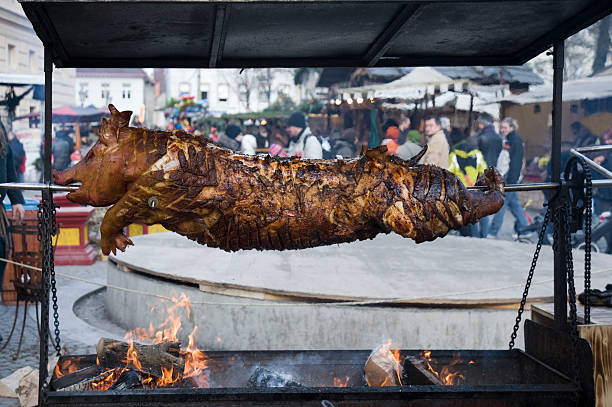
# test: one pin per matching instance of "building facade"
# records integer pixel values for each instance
(21, 61)
(230, 91)
(127, 89)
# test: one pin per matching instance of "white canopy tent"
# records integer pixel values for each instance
(423, 82)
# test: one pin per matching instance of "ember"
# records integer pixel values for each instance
(338, 382)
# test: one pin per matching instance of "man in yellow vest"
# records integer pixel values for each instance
(467, 163)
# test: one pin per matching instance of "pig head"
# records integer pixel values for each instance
(102, 172)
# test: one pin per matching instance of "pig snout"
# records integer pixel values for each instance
(65, 177)
(69, 176)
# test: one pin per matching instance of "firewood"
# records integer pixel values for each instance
(73, 378)
(152, 358)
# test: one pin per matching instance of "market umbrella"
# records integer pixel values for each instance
(71, 114)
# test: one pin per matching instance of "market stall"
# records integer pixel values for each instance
(229, 34)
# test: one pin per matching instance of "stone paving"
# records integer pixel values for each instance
(75, 335)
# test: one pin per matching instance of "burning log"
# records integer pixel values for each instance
(383, 367)
(98, 382)
(152, 359)
(129, 379)
(76, 377)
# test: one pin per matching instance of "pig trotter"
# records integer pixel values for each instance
(232, 201)
(114, 242)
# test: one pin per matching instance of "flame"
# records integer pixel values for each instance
(64, 367)
(338, 382)
(132, 357)
(394, 356)
(447, 375)
(106, 379)
(196, 362)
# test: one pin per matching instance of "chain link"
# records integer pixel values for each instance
(534, 263)
(47, 227)
(588, 203)
(562, 215)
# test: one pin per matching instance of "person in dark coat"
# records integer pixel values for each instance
(8, 174)
(19, 155)
(61, 153)
(228, 139)
(343, 143)
(513, 144)
(67, 135)
(489, 142)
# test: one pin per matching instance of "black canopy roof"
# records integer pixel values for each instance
(288, 33)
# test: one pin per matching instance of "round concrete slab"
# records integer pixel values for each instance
(452, 269)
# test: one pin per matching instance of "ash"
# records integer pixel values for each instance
(262, 377)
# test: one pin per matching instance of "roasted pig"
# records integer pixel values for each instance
(233, 201)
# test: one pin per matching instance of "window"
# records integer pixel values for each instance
(223, 92)
(83, 93)
(242, 89)
(574, 108)
(35, 120)
(537, 108)
(32, 60)
(11, 56)
(126, 92)
(263, 93)
(105, 93)
(204, 91)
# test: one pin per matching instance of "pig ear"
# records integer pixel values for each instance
(105, 134)
(119, 119)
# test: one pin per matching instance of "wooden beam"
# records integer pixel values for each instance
(218, 35)
(384, 41)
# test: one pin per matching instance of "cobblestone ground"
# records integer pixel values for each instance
(29, 355)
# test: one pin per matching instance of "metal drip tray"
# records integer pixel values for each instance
(487, 378)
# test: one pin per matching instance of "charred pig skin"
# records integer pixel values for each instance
(234, 201)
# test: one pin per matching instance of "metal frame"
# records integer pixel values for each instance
(373, 55)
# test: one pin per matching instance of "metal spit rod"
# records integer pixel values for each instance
(539, 186)
(38, 187)
(591, 163)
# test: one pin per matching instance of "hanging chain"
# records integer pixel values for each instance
(562, 215)
(588, 220)
(47, 227)
(54, 232)
(534, 262)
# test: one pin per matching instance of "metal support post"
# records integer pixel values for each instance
(559, 199)
(45, 232)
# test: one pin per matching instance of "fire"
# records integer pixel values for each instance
(132, 357)
(384, 366)
(447, 375)
(394, 356)
(65, 367)
(338, 382)
(196, 361)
